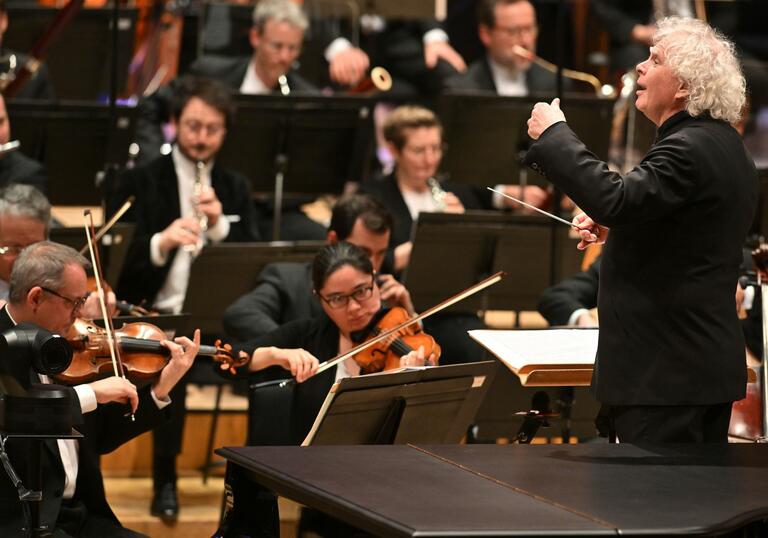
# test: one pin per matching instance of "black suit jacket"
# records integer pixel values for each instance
(283, 293)
(104, 430)
(669, 334)
(232, 72)
(558, 302)
(16, 167)
(300, 402)
(156, 206)
(39, 86)
(388, 193)
(478, 78)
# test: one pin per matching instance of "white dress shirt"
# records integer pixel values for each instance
(252, 84)
(509, 82)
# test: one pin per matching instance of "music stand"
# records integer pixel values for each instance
(493, 130)
(423, 405)
(115, 244)
(223, 273)
(299, 144)
(79, 64)
(74, 142)
(489, 241)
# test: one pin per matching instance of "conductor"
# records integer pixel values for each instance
(670, 358)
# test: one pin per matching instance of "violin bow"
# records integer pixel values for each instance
(490, 281)
(114, 351)
(111, 222)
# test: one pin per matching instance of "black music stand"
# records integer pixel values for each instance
(74, 142)
(222, 273)
(80, 62)
(424, 405)
(488, 241)
(493, 131)
(299, 144)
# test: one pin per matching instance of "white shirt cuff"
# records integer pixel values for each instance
(158, 402)
(87, 398)
(434, 35)
(749, 298)
(337, 45)
(220, 231)
(157, 258)
(576, 315)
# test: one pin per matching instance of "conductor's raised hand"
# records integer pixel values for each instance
(589, 231)
(543, 116)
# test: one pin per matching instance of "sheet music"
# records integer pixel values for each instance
(518, 349)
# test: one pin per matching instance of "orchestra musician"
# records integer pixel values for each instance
(47, 288)
(283, 291)
(345, 284)
(172, 223)
(15, 167)
(39, 86)
(503, 25)
(414, 137)
(25, 217)
(670, 357)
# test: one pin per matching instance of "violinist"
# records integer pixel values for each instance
(182, 201)
(345, 284)
(283, 291)
(47, 288)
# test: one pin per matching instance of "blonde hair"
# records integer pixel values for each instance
(705, 62)
(407, 117)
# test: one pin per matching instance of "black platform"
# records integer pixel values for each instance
(496, 490)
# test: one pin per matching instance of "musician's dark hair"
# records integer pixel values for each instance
(486, 10)
(214, 93)
(376, 218)
(331, 258)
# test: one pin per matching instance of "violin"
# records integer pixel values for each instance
(142, 354)
(386, 354)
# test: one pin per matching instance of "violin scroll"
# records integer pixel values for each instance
(227, 358)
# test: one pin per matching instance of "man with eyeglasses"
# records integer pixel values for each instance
(174, 219)
(276, 36)
(48, 286)
(25, 214)
(502, 26)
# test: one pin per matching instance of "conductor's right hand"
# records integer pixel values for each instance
(182, 231)
(116, 389)
(589, 231)
(301, 363)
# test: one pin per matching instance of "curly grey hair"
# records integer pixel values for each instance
(20, 200)
(705, 62)
(41, 264)
(281, 11)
